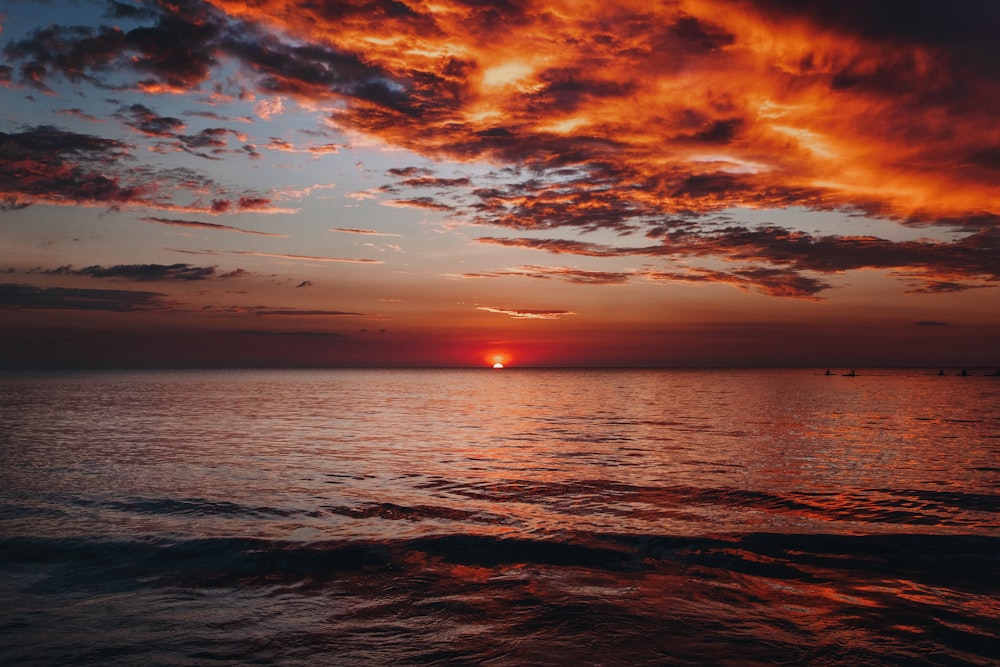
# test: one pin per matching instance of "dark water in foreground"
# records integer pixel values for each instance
(499, 518)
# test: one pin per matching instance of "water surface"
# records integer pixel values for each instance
(509, 517)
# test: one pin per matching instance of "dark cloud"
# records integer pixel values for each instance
(312, 71)
(235, 273)
(969, 262)
(212, 137)
(173, 222)
(71, 51)
(45, 140)
(565, 274)
(121, 10)
(959, 26)
(365, 232)
(434, 182)
(142, 272)
(409, 172)
(988, 157)
(251, 203)
(782, 283)
(13, 203)
(693, 33)
(79, 113)
(145, 120)
(559, 246)
(46, 164)
(428, 203)
(180, 45)
(177, 51)
(24, 297)
(210, 115)
(771, 282)
(932, 286)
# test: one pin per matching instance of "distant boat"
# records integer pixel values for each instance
(827, 372)
(964, 373)
(994, 375)
(851, 374)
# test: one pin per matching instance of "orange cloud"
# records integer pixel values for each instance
(696, 105)
(625, 117)
(806, 112)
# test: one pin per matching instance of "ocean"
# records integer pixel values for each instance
(514, 517)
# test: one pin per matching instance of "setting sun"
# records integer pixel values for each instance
(498, 361)
(498, 365)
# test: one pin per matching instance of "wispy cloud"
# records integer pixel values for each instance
(283, 145)
(428, 203)
(566, 274)
(276, 255)
(143, 272)
(777, 260)
(528, 313)
(79, 113)
(208, 225)
(286, 312)
(367, 232)
(30, 297)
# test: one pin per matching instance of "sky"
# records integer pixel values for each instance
(454, 182)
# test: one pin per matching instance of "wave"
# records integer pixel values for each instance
(967, 561)
(870, 506)
(609, 598)
(528, 508)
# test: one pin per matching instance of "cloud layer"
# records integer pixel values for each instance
(633, 118)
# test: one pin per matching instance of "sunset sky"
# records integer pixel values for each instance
(440, 182)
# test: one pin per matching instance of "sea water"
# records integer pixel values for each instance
(514, 517)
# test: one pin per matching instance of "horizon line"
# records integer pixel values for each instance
(180, 367)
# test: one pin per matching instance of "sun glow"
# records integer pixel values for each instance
(498, 360)
(507, 74)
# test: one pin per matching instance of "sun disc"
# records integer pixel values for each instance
(498, 365)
